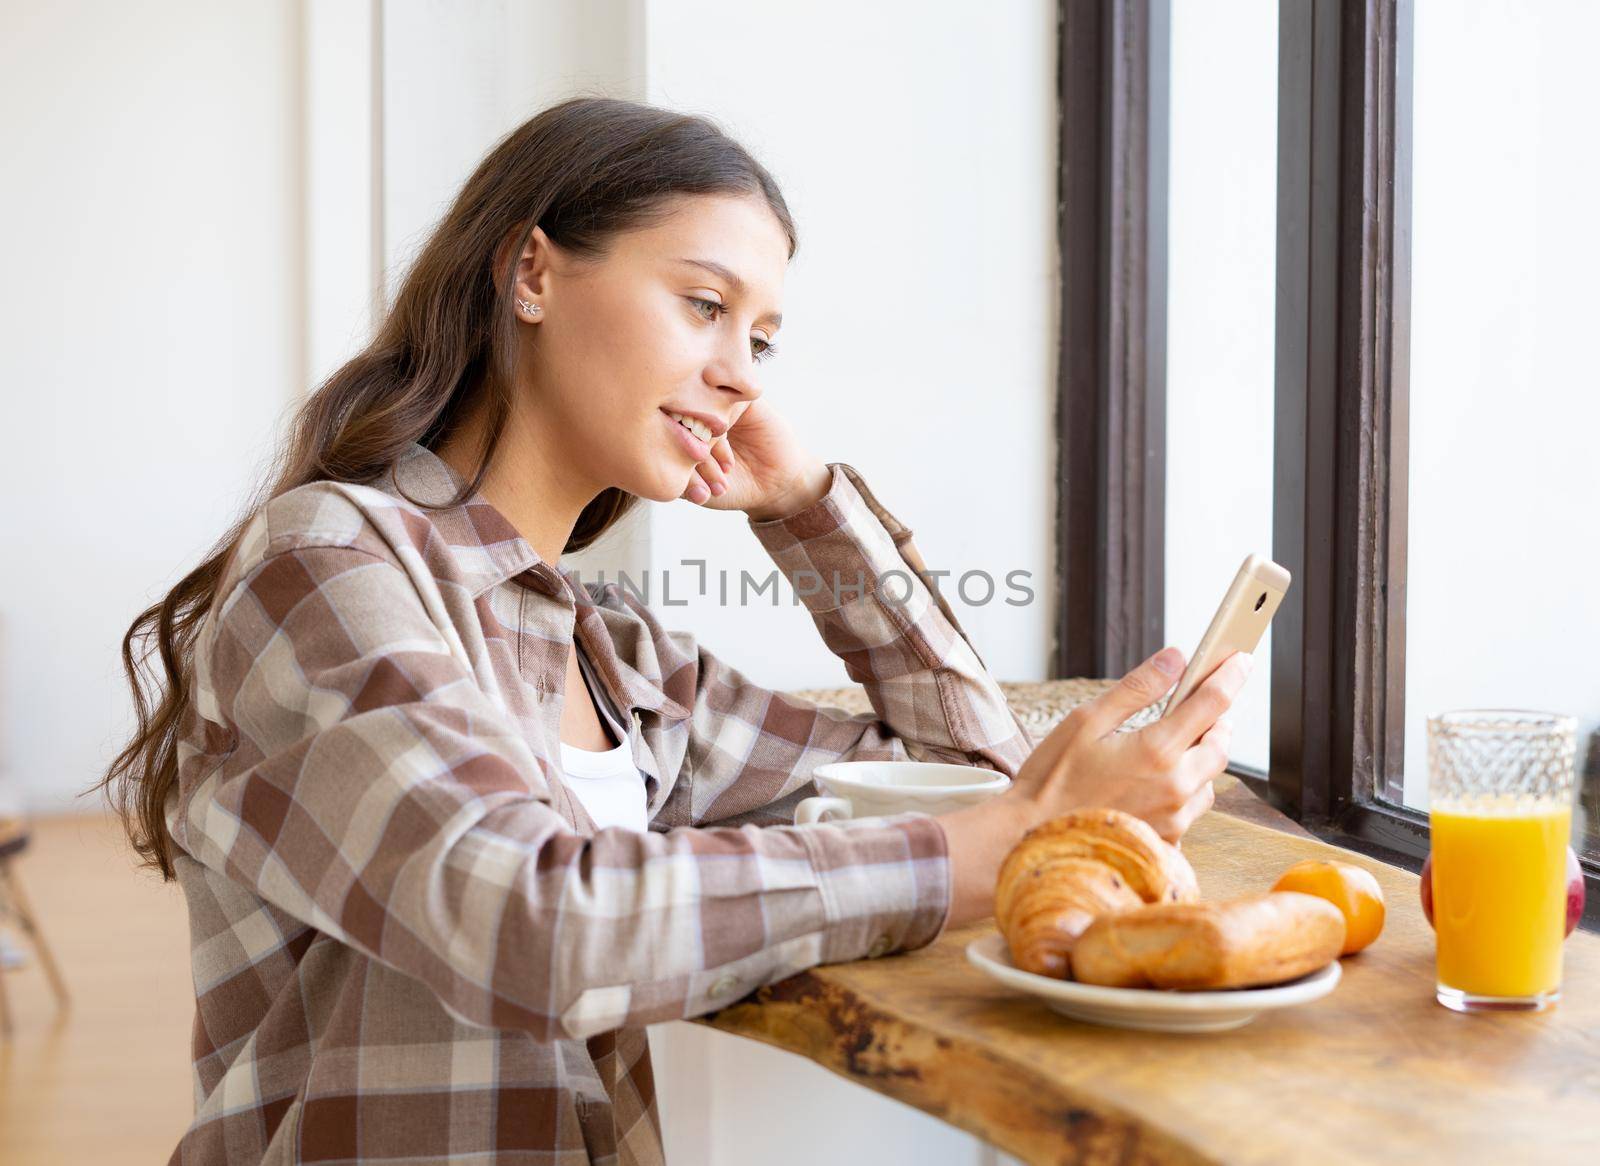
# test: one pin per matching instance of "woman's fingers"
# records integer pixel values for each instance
(1141, 687)
(1197, 771)
(697, 490)
(716, 477)
(707, 482)
(1193, 808)
(713, 474)
(1208, 757)
(1187, 723)
(723, 452)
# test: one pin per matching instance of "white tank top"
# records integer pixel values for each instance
(607, 782)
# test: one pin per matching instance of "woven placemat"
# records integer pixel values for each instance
(1040, 705)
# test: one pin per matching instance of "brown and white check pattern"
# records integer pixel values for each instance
(409, 941)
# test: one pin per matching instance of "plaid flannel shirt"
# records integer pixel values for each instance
(409, 941)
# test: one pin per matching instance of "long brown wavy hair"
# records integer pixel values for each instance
(586, 170)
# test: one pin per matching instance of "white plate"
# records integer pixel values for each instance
(1150, 1009)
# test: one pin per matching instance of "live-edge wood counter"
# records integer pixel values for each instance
(1376, 1072)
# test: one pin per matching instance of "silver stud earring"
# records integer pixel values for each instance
(531, 309)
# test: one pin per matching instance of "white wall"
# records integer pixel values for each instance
(1222, 203)
(153, 335)
(916, 149)
(1505, 392)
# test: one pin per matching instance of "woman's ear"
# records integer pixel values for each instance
(533, 266)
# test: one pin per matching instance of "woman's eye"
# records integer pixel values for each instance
(760, 349)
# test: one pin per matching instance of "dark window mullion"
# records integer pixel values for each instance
(1341, 456)
(1111, 418)
(1305, 371)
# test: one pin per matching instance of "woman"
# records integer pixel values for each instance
(453, 827)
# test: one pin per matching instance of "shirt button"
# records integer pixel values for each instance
(880, 946)
(724, 985)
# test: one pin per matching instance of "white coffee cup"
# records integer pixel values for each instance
(868, 789)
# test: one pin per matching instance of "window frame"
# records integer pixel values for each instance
(1111, 395)
(1342, 419)
(1341, 457)
(1341, 393)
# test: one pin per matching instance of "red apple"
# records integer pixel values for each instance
(1426, 888)
(1574, 890)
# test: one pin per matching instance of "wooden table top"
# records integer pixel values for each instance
(1377, 1071)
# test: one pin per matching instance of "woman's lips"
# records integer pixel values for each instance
(691, 444)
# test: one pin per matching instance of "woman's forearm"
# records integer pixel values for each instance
(853, 565)
(978, 839)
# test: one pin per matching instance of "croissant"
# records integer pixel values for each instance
(1064, 874)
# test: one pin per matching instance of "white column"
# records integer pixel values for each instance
(342, 126)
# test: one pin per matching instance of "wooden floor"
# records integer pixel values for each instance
(106, 1082)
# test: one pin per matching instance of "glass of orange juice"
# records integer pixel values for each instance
(1500, 788)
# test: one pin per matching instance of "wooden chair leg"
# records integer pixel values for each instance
(24, 912)
(5, 1008)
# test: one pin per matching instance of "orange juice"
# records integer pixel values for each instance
(1500, 894)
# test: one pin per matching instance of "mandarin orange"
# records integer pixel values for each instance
(1350, 888)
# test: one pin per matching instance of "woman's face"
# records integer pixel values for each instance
(671, 321)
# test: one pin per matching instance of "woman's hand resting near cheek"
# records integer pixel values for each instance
(1161, 773)
(759, 467)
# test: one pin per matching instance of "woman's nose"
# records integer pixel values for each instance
(738, 376)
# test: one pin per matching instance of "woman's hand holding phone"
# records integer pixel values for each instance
(1161, 772)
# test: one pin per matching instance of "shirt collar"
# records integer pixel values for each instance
(488, 550)
(485, 546)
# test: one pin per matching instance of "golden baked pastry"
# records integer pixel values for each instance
(1240, 943)
(1068, 871)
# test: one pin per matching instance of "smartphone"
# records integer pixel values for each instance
(1246, 609)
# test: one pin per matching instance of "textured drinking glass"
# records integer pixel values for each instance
(1500, 786)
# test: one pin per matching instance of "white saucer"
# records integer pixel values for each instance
(1150, 1009)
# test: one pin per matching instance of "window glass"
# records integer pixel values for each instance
(1222, 209)
(1504, 554)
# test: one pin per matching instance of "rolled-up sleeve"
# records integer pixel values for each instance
(377, 792)
(860, 575)
(754, 749)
